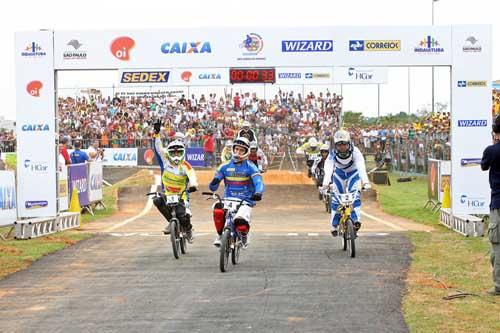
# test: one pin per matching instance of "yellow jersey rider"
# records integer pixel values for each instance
(176, 175)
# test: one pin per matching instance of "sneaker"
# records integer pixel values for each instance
(217, 241)
(494, 291)
(244, 241)
(334, 232)
(166, 231)
(189, 236)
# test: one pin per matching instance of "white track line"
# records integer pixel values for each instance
(146, 209)
(389, 224)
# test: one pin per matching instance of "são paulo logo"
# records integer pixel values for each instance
(472, 45)
(429, 45)
(121, 47)
(33, 50)
(186, 47)
(33, 88)
(76, 53)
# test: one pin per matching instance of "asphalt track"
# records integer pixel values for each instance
(293, 278)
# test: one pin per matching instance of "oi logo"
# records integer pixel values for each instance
(121, 46)
(33, 88)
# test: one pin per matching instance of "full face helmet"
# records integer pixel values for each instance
(343, 146)
(241, 149)
(175, 152)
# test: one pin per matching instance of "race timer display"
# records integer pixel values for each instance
(252, 75)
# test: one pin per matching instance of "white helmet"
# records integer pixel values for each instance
(175, 152)
(179, 136)
(325, 147)
(229, 143)
(243, 143)
(313, 143)
(246, 123)
(253, 145)
(343, 137)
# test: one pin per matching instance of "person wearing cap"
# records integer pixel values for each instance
(318, 168)
(491, 162)
(246, 132)
(345, 168)
(79, 156)
(242, 180)
(209, 148)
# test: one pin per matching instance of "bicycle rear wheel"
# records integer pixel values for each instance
(225, 249)
(174, 236)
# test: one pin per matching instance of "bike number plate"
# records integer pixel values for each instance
(172, 199)
(346, 198)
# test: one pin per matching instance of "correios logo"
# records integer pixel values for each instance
(121, 47)
(33, 88)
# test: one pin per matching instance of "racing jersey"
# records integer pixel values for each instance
(241, 180)
(175, 178)
(311, 153)
(356, 164)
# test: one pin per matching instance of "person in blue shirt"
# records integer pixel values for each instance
(242, 180)
(78, 156)
(491, 162)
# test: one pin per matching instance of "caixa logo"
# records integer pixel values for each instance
(186, 47)
(33, 88)
(35, 127)
(121, 46)
(96, 182)
(125, 156)
(472, 202)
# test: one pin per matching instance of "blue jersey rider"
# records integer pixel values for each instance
(345, 169)
(242, 180)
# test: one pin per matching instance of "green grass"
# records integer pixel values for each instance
(11, 160)
(443, 262)
(19, 254)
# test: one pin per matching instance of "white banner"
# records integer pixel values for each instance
(63, 189)
(120, 157)
(8, 203)
(95, 178)
(35, 124)
(200, 76)
(471, 118)
(253, 47)
(359, 75)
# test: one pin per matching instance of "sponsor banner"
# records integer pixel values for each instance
(307, 46)
(8, 203)
(433, 180)
(471, 117)
(35, 125)
(195, 156)
(359, 75)
(470, 162)
(200, 76)
(149, 77)
(304, 75)
(146, 157)
(95, 181)
(78, 179)
(374, 45)
(120, 157)
(149, 91)
(63, 189)
(470, 83)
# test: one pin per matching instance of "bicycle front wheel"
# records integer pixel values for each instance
(225, 249)
(174, 237)
(351, 238)
(183, 243)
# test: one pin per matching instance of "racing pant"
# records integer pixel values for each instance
(241, 218)
(182, 212)
(345, 182)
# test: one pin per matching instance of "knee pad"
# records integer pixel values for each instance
(219, 219)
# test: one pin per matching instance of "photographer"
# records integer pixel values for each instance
(491, 161)
(95, 152)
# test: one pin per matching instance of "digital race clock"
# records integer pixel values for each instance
(252, 75)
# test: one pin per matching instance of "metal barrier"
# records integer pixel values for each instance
(42, 226)
(467, 225)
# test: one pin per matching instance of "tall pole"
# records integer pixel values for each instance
(378, 101)
(432, 84)
(409, 90)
